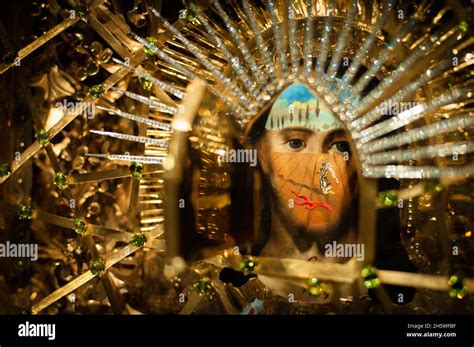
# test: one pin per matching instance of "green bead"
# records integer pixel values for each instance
(318, 290)
(96, 91)
(97, 267)
(187, 15)
(453, 280)
(368, 284)
(372, 283)
(153, 42)
(313, 281)
(461, 293)
(81, 10)
(458, 290)
(369, 274)
(42, 137)
(388, 198)
(391, 197)
(136, 170)
(458, 293)
(146, 84)
(79, 226)
(463, 26)
(247, 265)
(315, 287)
(138, 240)
(24, 212)
(432, 185)
(202, 286)
(9, 57)
(368, 271)
(59, 180)
(456, 282)
(5, 170)
(453, 293)
(376, 282)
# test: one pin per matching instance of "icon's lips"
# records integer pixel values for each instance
(310, 204)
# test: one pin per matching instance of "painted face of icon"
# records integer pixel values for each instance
(305, 154)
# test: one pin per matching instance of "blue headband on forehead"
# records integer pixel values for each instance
(297, 106)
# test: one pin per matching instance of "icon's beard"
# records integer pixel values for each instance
(305, 236)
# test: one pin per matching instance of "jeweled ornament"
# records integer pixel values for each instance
(97, 266)
(25, 212)
(79, 226)
(59, 180)
(138, 240)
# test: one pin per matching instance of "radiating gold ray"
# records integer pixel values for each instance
(87, 276)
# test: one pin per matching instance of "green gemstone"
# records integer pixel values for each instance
(146, 84)
(138, 240)
(42, 137)
(79, 226)
(453, 280)
(81, 10)
(188, 15)
(368, 272)
(461, 293)
(97, 267)
(386, 202)
(202, 286)
(315, 286)
(136, 170)
(5, 170)
(247, 265)
(24, 212)
(60, 180)
(457, 286)
(9, 57)
(318, 290)
(453, 293)
(391, 196)
(372, 283)
(313, 281)
(96, 91)
(153, 42)
(388, 198)
(458, 293)
(432, 185)
(463, 26)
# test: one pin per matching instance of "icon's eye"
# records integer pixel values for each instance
(296, 144)
(341, 147)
